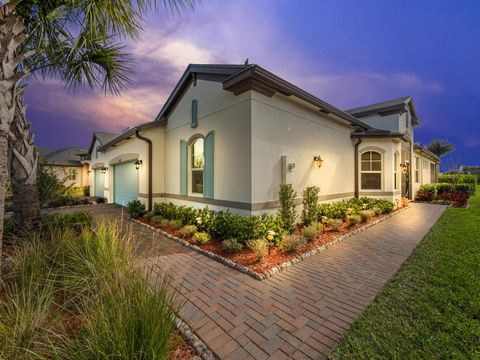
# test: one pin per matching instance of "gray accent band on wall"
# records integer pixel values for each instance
(242, 205)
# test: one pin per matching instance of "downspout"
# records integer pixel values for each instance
(357, 144)
(150, 167)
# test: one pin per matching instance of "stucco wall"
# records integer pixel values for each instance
(280, 127)
(229, 117)
(62, 173)
(424, 173)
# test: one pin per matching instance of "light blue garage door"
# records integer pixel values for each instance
(125, 183)
(99, 183)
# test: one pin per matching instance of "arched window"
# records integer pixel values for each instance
(371, 171)
(197, 165)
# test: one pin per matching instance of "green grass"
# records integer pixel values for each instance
(431, 308)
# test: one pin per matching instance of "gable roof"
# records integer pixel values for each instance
(64, 156)
(241, 78)
(401, 104)
(102, 137)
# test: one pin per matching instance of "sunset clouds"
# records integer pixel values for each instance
(337, 58)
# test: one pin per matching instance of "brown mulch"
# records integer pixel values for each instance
(247, 258)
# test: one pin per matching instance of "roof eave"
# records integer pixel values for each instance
(128, 134)
(260, 80)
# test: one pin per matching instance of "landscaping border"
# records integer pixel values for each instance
(277, 268)
(202, 350)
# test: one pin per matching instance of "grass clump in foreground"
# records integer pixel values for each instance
(431, 308)
(81, 296)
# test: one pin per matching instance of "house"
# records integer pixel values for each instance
(229, 135)
(66, 165)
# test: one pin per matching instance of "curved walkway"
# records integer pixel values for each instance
(300, 313)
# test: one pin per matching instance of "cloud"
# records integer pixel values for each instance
(359, 88)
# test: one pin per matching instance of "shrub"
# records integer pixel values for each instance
(156, 219)
(377, 210)
(312, 231)
(201, 237)
(354, 219)
(135, 209)
(175, 224)
(458, 179)
(259, 247)
(287, 210)
(466, 188)
(334, 224)
(188, 230)
(291, 243)
(61, 222)
(161, 221)
(425, 195)
(232, 245)
(148, 215)
(367, 215)
(310, 205)
(8, 226)
(86, 190)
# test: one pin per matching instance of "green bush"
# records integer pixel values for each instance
(437, 191)
(188, 230)
(287, 210)
(135, 209)
(161, 221)
(148, 215)
(335, 224)
(201, 237)
(61, 222)
(175, 224)
(232, 245)
(312, 231)
(310, 205)
(354, 219)
(291, 243)
(8, 226)
(86, 190)
(458, 179)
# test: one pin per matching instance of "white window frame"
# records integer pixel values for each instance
(382, 167)
(191, 169)
(396, 165)
(417, 169)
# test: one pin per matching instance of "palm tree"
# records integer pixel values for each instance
(440, 147)
(77, 41)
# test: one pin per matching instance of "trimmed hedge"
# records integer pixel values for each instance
(438, 189)
(458, 178)
(342, 209)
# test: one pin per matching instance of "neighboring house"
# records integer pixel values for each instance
(66, 165)
(229, 135)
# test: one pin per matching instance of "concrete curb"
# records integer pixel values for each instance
(275, 269)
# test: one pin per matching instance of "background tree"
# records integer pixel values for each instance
(440, 147)
(77, 41)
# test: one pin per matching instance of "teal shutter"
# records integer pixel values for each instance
(183, 167)
(208, 167)
(194, 122)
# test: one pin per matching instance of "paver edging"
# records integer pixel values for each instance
(283, 265)
(202, 350)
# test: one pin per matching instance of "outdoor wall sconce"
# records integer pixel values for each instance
(404, 168)
(103, 170)
(89, 171)
(318, 161)
(138, 163)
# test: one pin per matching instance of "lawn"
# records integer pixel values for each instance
(431, 308)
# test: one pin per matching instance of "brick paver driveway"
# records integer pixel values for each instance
(301, 312)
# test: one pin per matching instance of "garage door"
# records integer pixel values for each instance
(125, 183)
(99, 183)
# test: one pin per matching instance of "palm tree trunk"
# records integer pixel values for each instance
(11, 37)
(23, 172)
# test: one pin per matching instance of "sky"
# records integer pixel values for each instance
(347, 52)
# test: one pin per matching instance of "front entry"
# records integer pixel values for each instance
(405, 174)
(125, 183)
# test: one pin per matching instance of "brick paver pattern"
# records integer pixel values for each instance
(300, 313)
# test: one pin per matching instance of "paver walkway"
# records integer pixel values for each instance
(300, 313)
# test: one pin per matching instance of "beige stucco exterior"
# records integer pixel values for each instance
(63, 172)
(260, 141)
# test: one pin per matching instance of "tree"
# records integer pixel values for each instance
(440, 147)
(77, 41)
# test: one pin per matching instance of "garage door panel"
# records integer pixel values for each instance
(125, 183)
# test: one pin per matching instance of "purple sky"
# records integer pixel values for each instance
(347, 52)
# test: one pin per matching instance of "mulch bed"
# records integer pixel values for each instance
(247, 258)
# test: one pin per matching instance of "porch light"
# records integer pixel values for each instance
(318, 161)
(404, 168)
(89, 171)
(138, 163)
(103, 170)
